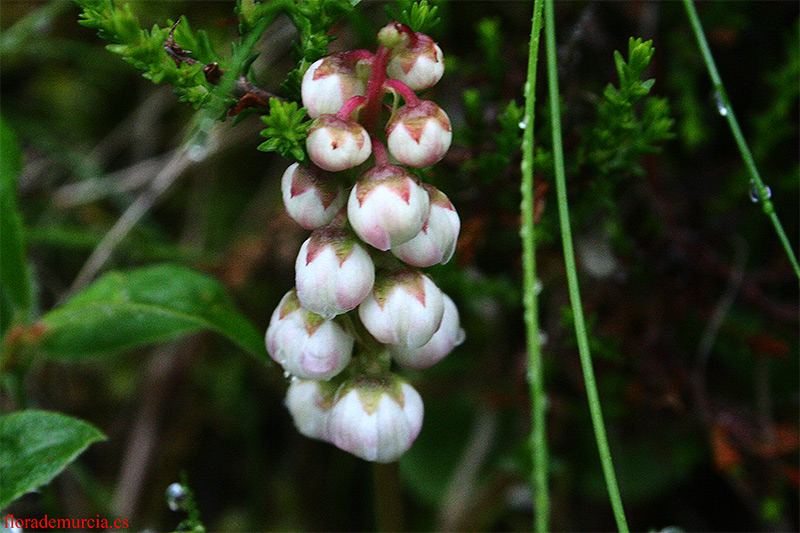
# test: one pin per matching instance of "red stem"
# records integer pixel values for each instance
(379, 151)
(374, 96)
(358, 55)
(405, 91)
(350, 106)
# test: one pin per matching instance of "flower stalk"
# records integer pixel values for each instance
(572, 273)
(538, 435)
(760, 190)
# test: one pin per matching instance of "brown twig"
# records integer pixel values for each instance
(248, 95)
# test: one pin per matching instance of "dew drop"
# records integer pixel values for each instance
(543, 338)
(522, 124)
(198, 149)
(519, 497)
(721, 106)
(202, 143)
(537, 286)
(43, 25)
(176, 496)
(755, 197)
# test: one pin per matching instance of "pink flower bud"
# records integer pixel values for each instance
(420, 64)
(309, 402)
(337, 144)
(330, 82)
(437, 240)
(376, 418)
(448, 336)
(333, 272)
(404, 307)
(305, 344)
(311, 195)
(388, 206)
(419, 135)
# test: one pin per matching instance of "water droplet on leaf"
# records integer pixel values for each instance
(522, 125)
(543, 338)
(755, 196)
(537, 286)
(202, 142)
(721, 105)
(176, 496)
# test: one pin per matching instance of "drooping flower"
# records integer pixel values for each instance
(309, 402)
(388, 206)
(436, 242)
(333, 272)
(311, 195)
(336, 144)
(305, 344)
(419, 135)
(331, 81)
(448, 336)
(405, 307)
(376, 418)
(416, 59)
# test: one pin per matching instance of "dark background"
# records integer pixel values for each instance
(703, 439)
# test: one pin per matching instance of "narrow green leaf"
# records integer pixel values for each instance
(35, 446)
(10, 155)
(13, 268)
(124, 310)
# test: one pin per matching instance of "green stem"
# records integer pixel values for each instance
(538, 437)
(727, 111)
(572, 276)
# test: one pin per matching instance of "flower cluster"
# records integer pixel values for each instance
(374, 225)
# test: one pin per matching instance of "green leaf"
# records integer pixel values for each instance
(624, 128)
(10, 156)
(13, 267)
(124, 310)
(418, 15)
(35, 446)
(286, 130)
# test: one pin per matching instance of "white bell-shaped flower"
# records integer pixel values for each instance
(405, 307)
(333, 272)
(305, 344)
(376, 418)
(388, 206)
